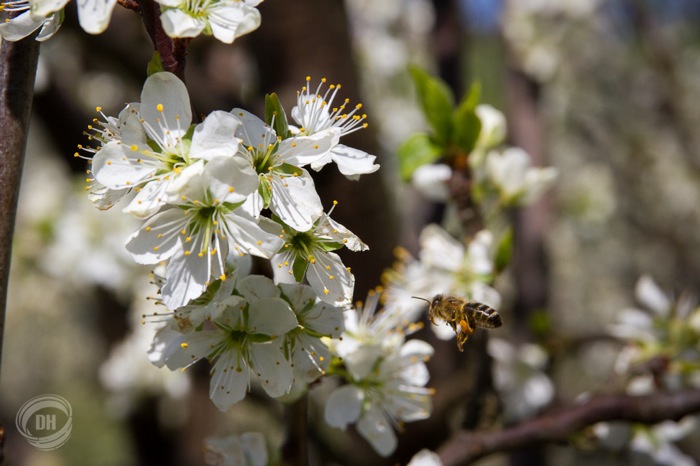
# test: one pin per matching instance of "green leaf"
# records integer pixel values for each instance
(416, 151)
(155, 65)
(275, 116)
(265, 190)
(471, 99)
(299, 268)
(466, 125)
(437, 102)
(504, 250)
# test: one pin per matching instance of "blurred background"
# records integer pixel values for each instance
(606, 91)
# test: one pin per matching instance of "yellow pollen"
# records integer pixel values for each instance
(294, 144)
(134, 147)
(187, 253)
(155, 248)
(188, 239)
(183, 345)
(326, 291)
(223, 277)
(159, 107)
(98, 109)
(230, 189)
(148, 228)
(308, 78)
(331, 277)
(201, 254)
(315, 146)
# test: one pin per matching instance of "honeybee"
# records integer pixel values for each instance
(462, 315)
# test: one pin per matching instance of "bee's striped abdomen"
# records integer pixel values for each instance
(484, 316)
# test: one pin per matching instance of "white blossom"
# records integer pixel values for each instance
(248, 338)
(518, 375)
(247, 449)
(315, 113)
(285, 187)
(224, 19)
(308, 253)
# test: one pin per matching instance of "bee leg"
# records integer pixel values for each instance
(467, 327)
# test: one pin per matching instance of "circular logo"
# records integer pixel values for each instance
(45, 421)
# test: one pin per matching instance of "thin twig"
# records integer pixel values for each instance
(467, 446)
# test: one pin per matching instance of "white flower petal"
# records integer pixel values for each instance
(40, 9)
(271, 316)
(344, 406)
(158, 238)
(215, 136)
(94, 15)
(295, 201)
(352, 162)
(254, 132)
(187, 276)
(230, 379)
(331, 280)
(301, 151)
(377, 430)
(177, 23)
(649, 294)
(440, 250)
(117, 166)
(165, 90)
(149, 200)
(425, 458)
(273, 370)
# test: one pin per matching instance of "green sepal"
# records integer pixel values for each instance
(299, 268)
(155, 65)
(288, 169)
(437, 102)
(416, 151)
(466, 123)
(275, 116)
(504, 250)
(331, 245)
(265, 190)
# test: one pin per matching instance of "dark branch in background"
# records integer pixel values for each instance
(295, 448)
(465, 447)
(172, 51)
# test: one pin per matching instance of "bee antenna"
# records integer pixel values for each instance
(422, 299)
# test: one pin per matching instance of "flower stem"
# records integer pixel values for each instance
(18, 62)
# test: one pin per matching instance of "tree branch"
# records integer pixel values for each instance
(18, 62)
(172, 51)
(466, 446)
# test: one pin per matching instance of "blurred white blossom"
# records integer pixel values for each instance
(518, 374)
(247, 449)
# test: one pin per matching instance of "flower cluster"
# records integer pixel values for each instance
(212, 194)
(662, 348)
(444, 266)
(224, 19)
(662, 352)
(385, 374)
(503, 177)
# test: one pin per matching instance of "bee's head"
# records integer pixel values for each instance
(436, 300)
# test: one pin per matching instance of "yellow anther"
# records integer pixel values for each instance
(159, 107)
(98, 109)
